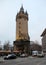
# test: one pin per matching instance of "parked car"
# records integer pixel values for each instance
(10, 56)
(34, 53)
(24, 55)
(40, 54)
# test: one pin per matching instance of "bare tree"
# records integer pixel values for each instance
(6, 45)
(0, 46)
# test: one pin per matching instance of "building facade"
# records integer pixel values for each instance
(22, 41)
(43, 35)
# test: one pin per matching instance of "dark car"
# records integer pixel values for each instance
(10, 56)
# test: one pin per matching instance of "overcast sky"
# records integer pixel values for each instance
(37, 18)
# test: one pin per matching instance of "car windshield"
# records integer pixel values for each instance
(9, 55)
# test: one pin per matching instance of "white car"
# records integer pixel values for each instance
(40, 54)
(23, 55)
(34, 53)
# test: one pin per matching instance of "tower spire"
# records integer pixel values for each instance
(22, 9)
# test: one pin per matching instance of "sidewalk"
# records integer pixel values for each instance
(1, 60)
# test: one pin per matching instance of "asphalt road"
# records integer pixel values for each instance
(24, 61)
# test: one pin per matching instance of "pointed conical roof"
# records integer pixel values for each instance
(44, 32)
(26, 13)
(21, 13)
(22, 9)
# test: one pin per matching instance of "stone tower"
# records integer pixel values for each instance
(22, 25)
(22, 38)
